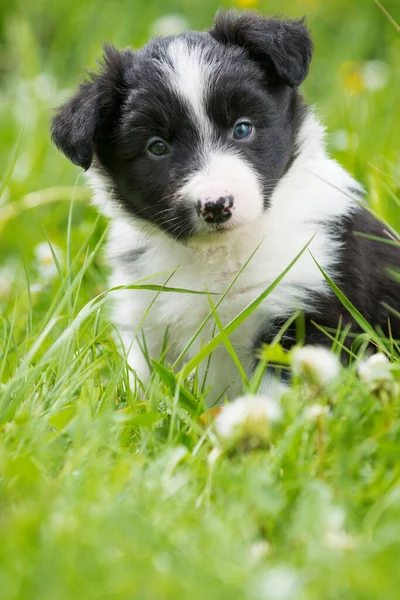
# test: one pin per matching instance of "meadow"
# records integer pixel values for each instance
(107, 495)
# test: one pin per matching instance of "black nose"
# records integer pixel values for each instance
(215, 211)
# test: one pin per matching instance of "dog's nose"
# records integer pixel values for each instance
(215, 211)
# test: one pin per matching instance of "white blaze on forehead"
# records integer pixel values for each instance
(221, 172)
(189, 70)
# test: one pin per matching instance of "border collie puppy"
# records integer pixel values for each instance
(201, 150)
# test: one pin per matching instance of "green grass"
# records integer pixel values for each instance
(106, 495)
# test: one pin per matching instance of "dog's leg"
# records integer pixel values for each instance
(139, 372)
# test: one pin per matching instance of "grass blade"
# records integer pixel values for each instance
(357, 316)
(186, 399)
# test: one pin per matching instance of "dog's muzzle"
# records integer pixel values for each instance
(215, 211)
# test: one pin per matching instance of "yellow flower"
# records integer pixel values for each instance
(246, 3)
(352, 77)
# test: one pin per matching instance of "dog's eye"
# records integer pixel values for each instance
(157, 147)
(242, 130)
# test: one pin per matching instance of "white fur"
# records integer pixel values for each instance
(224, 174)
(309, 193)
(102, 197)
(189, 70)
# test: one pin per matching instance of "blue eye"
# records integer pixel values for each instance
(242, 130)
(157, 147)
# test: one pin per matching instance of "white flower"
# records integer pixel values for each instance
(375, 74)
(376, 373)
(279, 583)
(335, 518)
(44, 86)
(316, 364)
(375, 367)
(340, 139)
(339, 540)
(45, 261)
(259, 550)
(335, 535)
(248, 418)
(169, 25)
(343, 140)
(313, 412)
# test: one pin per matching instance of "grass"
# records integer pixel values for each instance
(107, 495)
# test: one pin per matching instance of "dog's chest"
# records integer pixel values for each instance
(184, 313)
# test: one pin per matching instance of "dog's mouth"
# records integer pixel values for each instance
(213, 234)
(218, 228)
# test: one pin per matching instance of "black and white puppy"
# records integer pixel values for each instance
(200, 149)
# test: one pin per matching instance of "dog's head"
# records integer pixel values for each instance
(193, 132)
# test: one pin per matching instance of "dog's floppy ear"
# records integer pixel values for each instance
(97, 102)
(282, 47)
(72, 129)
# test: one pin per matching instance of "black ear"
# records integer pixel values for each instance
(283, 47)
(97, 103)
(72, 129)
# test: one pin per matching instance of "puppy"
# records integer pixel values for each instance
(201, 150)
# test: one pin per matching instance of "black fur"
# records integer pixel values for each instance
(364, 277)
(111, 118)
(282, 48)
(88, 119)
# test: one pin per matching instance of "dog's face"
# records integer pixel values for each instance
(193, 132)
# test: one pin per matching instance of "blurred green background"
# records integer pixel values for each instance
(45, 47)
